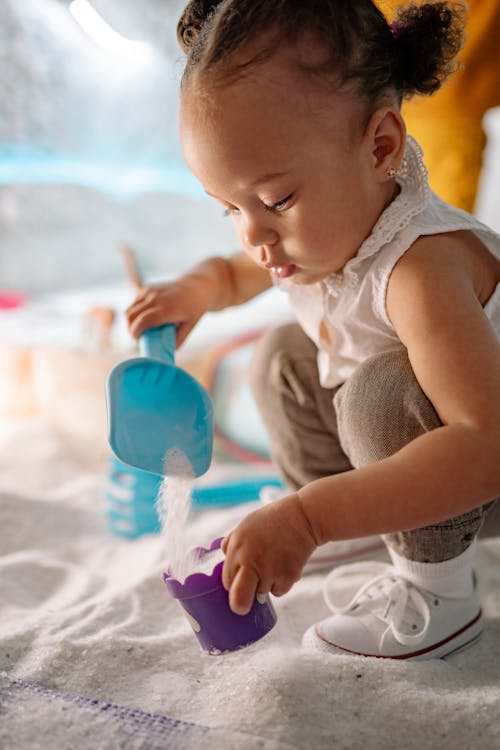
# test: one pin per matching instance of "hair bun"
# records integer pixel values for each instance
(427, 38)
(192, 21)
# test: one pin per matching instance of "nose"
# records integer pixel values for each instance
(259, 234)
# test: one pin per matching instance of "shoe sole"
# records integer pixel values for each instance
(464, 646)
(458, 641)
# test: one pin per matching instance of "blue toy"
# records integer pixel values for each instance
(154, 406)
(131, 495)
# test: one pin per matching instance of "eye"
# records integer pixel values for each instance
(280, 205)
(230, 211)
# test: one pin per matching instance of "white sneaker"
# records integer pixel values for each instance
(391, 617)
(331, 554)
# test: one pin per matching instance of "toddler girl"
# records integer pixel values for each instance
(382, 401)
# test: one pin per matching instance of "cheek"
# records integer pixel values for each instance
(317, 224)
(239, 230)
(329, 231)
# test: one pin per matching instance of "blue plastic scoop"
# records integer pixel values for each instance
(155, 407)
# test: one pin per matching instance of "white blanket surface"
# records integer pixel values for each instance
(85, 615)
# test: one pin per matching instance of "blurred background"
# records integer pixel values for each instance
(89, 152)
(90, 161)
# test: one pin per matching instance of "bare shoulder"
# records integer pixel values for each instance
(454, 263)
(435, 300)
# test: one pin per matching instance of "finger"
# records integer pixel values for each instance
(138, 325)
(151, 318)
(280, 587)
(142, 304)
(229, 570)
(133, 313)
(243, 590)
(138, 301)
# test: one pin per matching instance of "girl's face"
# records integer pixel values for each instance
(292, 166)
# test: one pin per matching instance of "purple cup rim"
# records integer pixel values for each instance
(195, 583)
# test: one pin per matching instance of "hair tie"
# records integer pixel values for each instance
(396, 28)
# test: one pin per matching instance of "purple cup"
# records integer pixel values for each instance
(206, 603)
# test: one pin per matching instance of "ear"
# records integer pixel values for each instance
(386, 134)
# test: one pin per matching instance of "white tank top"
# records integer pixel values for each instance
(345, 314)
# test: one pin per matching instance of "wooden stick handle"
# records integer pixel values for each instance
(131, 268)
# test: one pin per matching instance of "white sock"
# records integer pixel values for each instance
(451, 578)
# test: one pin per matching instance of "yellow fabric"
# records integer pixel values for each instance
(448, 125)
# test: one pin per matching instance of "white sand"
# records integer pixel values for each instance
(87, 614)
(173, 505)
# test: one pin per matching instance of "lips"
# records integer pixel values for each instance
(282, 272)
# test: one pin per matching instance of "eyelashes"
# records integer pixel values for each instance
(280, 205)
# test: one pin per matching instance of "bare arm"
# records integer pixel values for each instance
(213, 284)
(239, 279)
(433, 303)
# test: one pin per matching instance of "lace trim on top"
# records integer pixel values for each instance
(412, 199)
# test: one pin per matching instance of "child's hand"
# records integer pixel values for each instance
(266, 552)
(181, 302)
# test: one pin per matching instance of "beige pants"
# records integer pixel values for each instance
(316, 432)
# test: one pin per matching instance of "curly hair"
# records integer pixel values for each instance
(413, 54)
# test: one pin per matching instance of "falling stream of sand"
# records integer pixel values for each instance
(173, 506)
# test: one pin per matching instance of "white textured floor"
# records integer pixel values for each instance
(86, 616)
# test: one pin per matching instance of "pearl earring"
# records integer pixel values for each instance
(391, 172)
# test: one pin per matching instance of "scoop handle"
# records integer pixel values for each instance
(159, 343)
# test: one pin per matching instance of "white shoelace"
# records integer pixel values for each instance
(386, 587)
